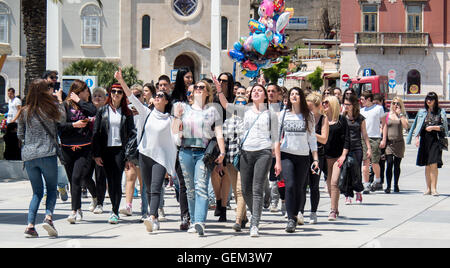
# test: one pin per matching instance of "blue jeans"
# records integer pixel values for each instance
(196, 176)
(144, 200)
(36, 169)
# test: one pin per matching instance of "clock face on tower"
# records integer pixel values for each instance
(185, 8)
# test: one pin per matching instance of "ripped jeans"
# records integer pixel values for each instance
(196, 176)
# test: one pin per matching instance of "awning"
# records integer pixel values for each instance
(299, 75)
(335, 75)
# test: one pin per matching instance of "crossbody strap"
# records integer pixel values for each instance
(248, 131)
(143, 127)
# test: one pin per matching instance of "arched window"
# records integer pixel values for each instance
(413, 82)
(90, 16)
(146, 31)
(4, 23)
(224, 33)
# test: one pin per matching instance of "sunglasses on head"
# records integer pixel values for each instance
(119, 92)
(199, 87)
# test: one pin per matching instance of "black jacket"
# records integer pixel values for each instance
(77, 136)
(101, 129)
(350, 177)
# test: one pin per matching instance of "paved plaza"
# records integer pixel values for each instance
(406, 219)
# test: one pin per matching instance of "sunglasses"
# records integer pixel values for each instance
(138, 95)
(223, 80)
(241, 102)
(199, 87)
(160, 96)
(326, 93)
(119, 92)
(395, 103)
(189, 93)
(325, 103)
(53, 77)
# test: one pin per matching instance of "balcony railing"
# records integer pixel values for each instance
(380, 39)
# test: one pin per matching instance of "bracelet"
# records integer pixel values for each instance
(316, 161)
(222, 154)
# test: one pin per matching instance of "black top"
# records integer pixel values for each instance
(77, 136)
(336, 138)
(353, 136)
(320, 146)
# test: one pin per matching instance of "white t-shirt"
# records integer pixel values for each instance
(296, 139)
(13, 109)
(373, 115)
(114, 127)
(264, 131)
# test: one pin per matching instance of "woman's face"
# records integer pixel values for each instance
(326, 106)
(147, 93)
(294, 97)
(248, 91)
(430, 102)
(188, 79)
(160, 101)
(258, 94)
(200, 91)
(223, 80)
(116, 95)
(84, 95)
(98, 99)
(348, 106)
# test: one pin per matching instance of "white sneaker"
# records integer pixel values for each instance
(156, 225)
(161, 214)
(273, 208)
(200, 228)
(72, 218)
(148, 224)
(254, 231)
(93, 205)
(192, 230)
(313, 218)
(126, 211)
(79, 215)
(98, 209)
(348, 201)
(300, 219)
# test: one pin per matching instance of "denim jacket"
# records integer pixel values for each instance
(418, 123)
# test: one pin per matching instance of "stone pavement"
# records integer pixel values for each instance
(406, 219)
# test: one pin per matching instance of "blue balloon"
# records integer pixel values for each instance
(236, 55)
(238, 46)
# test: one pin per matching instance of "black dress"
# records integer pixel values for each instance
(429, 150)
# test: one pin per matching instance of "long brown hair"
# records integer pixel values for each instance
(304, 110)
(355, 103)
(77, 87)
(40, 102)
(123, 103)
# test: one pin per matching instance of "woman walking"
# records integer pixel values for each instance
(38, 131)
(298, 139)
(114, 132)
(156, 146)
(196, 122)
(314, 101)
(396, 122)
(428, 128)
(259, 138)
(334, 147)
(356, 127)
(76, 142)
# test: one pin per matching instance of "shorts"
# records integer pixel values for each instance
(376, 151)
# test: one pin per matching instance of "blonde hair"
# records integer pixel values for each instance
(402, 105)
(315, 98)
(99, 89)
(334, 106)
(138, 88)
(210, 97)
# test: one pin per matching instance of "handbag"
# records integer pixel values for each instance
(211, 153)
(443, 142)
(57, 146)
(237, 157)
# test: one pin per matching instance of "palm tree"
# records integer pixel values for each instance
(34, 14)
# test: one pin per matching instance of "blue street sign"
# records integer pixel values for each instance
(89, 82)
(392, 83)
(367, 72)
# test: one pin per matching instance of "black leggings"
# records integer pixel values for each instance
(153, 175)
(114, 164)
(393, 163)
(295, 170)
(313, 182)
(184, 209)
(100, 181)
(77, 166)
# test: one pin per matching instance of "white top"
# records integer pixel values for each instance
(158, 141)
(373, 115)
(262, 133)
(295, 137)
(13, 109)
(114, 127)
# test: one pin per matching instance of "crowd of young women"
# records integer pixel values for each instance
(210, 131)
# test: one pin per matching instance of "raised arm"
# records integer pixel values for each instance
(223, 100)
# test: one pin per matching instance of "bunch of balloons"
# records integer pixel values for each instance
(267, 41)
